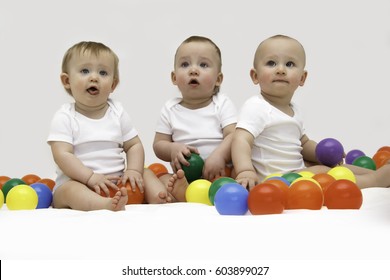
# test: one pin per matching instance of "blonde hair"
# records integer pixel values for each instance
(94, 48)
(202, 39)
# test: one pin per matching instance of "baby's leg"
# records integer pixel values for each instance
(378, 178)
(177, 186)
(77, 196)
(155, 190)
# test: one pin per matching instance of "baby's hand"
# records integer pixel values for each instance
(179, 152)
(100, 182)
(214, 167)
(135, 178)
(247, 179)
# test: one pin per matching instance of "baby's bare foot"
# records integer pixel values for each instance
(177, 186)
(119, 201)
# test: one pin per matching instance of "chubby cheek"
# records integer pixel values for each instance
(265, 78)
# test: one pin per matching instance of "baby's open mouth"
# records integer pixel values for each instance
(93, 90)
(194, 82)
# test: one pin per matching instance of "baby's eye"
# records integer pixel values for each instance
(184, 64)
(271, 63)
(103, 73)
(204, 65)
(84, 71)
(290, 64)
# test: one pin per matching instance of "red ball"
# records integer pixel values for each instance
(343, 194)
(266, 198)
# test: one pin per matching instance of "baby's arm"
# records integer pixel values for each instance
(135, 159)
(241, 155)
(169, 151)
(73, 168)
(309, 151)
(216, 162)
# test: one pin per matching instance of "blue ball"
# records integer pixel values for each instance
(45, 195)
(231, 199)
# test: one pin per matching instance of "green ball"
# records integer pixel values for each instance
(365, 162)
(10, 184)
(291, 177)
(195, 169)
(217, 184)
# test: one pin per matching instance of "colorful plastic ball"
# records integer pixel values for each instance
(45, 195)
(265, 198)
(291, 176)
(343, 194)
(280, 178)
(9, 185)
(365, 162)
(282, 184)
(134, 197)
(306, 174)
(272, 176)
(324, 179)
(1, 198)
(158, 169)
(342, 172)
(231, 199)
(198, 192)
(381, 158)
(217, 184)
(30, 179)
(195, 169)
(352, 155)
(48, 182)
(22, 197)
(384, 148)
(3, 179)
(305, 194)
(329, 152)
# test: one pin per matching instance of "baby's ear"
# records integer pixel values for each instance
(114, 84)
(65, 80)
(173, 77)
(303, 78)
(253, 74)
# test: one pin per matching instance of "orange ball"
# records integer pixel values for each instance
(381, 158)
(384, 148)
(134, 197)
(3, 179)
(343, 194)
(324, 179)
(265, 198)
(158, 169)
(48, 182)
(30, 179)
(305, 194)
(281, 185)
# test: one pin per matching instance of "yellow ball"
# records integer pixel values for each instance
(306, 174)
(22, 197)
(272, 175)
(341, 172)
(198, 191)
(1, 198)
